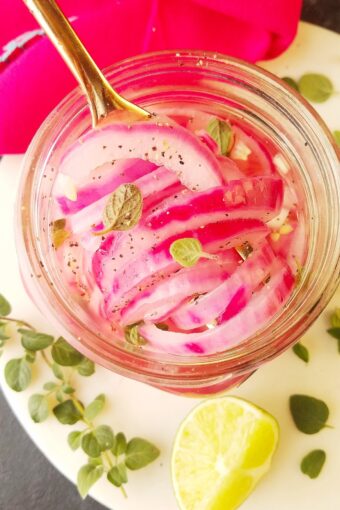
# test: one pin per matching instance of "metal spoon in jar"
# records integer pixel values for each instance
(102, 98)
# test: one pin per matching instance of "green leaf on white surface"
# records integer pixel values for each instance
(88, 475)
(5, 307)
(310, 414)
(301, 351)
(315, 87)
(38, 408)
(140, 453)
(312, 464)
(18, 374)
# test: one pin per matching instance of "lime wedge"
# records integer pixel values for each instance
(222, 449)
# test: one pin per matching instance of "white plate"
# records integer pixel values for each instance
(141, 410)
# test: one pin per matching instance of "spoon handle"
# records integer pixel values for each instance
(102, 98)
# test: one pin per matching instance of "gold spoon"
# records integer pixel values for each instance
(102, 98)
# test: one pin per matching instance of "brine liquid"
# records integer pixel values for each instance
(223, 184)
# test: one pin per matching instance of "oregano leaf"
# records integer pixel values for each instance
(310, 414)
(133, 336)
(57, 371)
(123, 209)
(222, 133)
(18, 374)
(336, 135)
(87, 477)
(140, 453)
(67, 413)
(94, 408)
(97, 441)
(114, 476)
(315, 87)
(86, 367)
(120, 444)
(312, 464)
(187, 251)
(74, 439)
(38, 408)
(5, 307)
(64, 354)
(59, 234)
(301, 351)
(34, 341)
(291, 82)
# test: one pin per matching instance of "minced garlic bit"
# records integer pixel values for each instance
(281, 164)
(241, 151)
(67, 187)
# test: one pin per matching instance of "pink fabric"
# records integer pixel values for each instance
(32, 72)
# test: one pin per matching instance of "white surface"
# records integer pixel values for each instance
(141, 410)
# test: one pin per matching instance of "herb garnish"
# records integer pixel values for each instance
(59, 234)
(315, 87)
(107, 453)
(301, 351)
(133, 336)
(334, 331)
(123, 209)
(188, 250)
(312, 464)
(310, 414)
(291, 82)
(336, 135)
(222, 133)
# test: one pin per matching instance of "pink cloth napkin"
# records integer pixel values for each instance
(33, 78)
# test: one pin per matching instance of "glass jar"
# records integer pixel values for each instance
(219, 85)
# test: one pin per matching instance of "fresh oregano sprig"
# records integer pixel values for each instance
(107, 453)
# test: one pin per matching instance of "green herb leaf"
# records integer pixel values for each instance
(34, 341)
(222, 133)
(335, 333)
(316, 87)
(74, 439)
(90, 445)
(95, 461)
(18, 374)
(64, 354)
(336, 135)
(132, 335)
(30, 356)
(66, 388)
(312, 463)
(140, 453)
(117, 475)
(123, 209)
(309, 414)
(50, 386)
(301, 351)
(67, 413)
(87, 477)
(59, 396)
(38, 408)
(5, 307)
(57, 371)
(97, 441)
(86, 367)
(291, 82)
(94, 408)
(120, 444)
(59, 234)
(187, 251)
(3, 331)
(335, 318)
